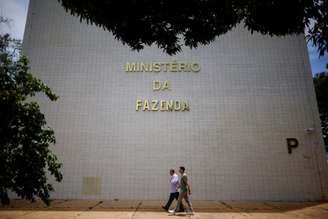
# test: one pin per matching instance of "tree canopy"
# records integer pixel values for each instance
(170, 24)
(25, 156)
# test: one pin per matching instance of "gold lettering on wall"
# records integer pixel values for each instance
(162, 105)
(162, 67)
(161, 86)
(155, 105)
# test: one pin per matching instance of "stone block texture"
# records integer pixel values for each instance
(251, 94)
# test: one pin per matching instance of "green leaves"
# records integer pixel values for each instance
(170, 24)
(25, 156)
(321, 89)
(318, 29)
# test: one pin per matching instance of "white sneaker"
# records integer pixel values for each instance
(171, 211)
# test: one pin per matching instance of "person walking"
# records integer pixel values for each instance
(185, 192)
(174, 193)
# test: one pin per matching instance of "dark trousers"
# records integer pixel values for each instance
(173, 196)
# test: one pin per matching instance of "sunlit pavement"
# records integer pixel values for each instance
(97, 209)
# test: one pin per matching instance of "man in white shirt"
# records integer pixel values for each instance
(174, 193)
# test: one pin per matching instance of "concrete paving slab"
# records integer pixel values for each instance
(106, 215)
(92, 209)
(287, 206)
(74, 205)
(43, 215)
(235, 206)
(219, 215)
(199, 206)
(323, 205)
(152, 206)
(159, 215)
(23, 204)
(10, 214)
(310, 212)
(210, 206)
(268, 215)
(116, 206)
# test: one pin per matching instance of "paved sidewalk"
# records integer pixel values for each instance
(97, 209)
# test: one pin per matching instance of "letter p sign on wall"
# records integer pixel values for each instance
(291, 144)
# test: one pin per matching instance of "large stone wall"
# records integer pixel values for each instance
(252, 92)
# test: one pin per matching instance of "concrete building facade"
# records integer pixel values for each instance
(251, 96)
